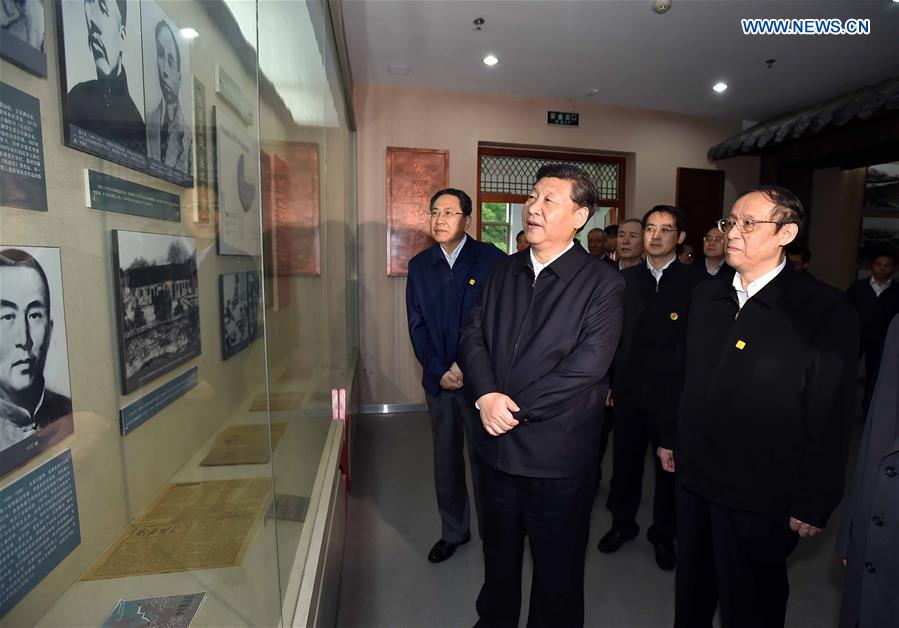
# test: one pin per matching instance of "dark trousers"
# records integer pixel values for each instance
(554, 513)
(608, 422)
(731, 558)
(451, 417)
(635, 430)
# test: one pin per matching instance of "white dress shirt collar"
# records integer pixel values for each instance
(754, 286)
(879, 288)
(452, 257)
(714, 271)
(658, 273)
(538, 267)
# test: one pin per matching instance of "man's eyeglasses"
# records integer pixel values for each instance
(446, 213)
(664, 229)
(713, 238)
(746, 225)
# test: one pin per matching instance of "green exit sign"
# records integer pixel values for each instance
(561, 118)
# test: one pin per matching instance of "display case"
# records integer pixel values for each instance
(178, 310)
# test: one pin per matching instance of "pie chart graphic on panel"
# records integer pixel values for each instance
(246, 190)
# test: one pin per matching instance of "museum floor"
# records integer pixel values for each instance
(388, 582)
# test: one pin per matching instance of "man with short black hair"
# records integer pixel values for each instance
(647, 380)
(443, 284)
(104, 106)
(521, 242)
(168, 134)
(799, 257)
(536, 353)
(761, 436)
(715, 264)
(611, 241)
(877, 301)
(27, 405)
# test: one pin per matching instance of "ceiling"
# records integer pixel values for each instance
(561, 49)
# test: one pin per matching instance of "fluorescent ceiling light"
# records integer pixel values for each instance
(490, 60)
(719, 86)
(189, 33)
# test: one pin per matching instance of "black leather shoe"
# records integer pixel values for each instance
(614, 539)
(666, 556)
(443, 550)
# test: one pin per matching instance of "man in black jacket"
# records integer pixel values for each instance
(877, 301)
(535, 355)
(647, 380)
(763, 423)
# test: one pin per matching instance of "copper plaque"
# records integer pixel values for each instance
(295, 200)
(413, 175)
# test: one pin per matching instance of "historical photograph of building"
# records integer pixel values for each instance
(157, 304)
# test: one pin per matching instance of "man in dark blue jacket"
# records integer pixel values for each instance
(443, 284)
(536, 355)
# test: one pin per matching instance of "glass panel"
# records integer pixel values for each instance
(494, 212)
(186, 230)
(497, 235)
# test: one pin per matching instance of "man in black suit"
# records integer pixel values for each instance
(26, 404)
(647, 380)
(763, 423)
(535, 355)
(877, 301)
(714, 264)
(596, 245)
(443, 284)
(104, 106)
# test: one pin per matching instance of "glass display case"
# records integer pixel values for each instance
(178, 309)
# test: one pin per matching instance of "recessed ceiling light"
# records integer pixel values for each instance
(720, 87)
(399, 70)
(189, 33)
(490, 60)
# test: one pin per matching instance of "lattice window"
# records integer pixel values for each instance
(515, 175)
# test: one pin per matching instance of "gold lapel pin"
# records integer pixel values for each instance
(740, 345)
(471, 282)
(673, 316)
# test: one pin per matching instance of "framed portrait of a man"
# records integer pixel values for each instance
(157, 304)
(22, 34)
(35, 391)
(168, 95)
(238, 219)
(239, 310)
(101, 74)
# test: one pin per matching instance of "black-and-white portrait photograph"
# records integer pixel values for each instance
(167, 90)
(35, 392)
(157, 304)
(239, 306)
(237, 188)
(22, 34)
(101, 67)
(882, 187)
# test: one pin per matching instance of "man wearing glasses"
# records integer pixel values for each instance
(443, 284)
(713, 252)
(763, 423)
(647, 379)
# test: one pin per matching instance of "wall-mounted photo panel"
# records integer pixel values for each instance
(101, 76)
(239, 310)
(238, 218)
(22, 34)
(35, 393)
(167, 91)
(157, 304)
(882, 188)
